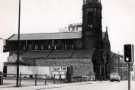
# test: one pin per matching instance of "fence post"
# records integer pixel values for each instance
(60, 77)
(45, 80)
(20, 79)
(54, 79)
(35, 79)
(1, 78)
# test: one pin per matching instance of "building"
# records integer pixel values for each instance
(118, 65)
(86, 50)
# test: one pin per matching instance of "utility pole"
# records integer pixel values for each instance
(18, 46)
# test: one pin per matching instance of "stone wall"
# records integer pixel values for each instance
(81, 66)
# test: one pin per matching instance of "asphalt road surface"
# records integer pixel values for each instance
(89, 85)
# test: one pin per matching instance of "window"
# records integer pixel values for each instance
(24, 47)
(64, 68)
(56, 68)
(29, 46)
(36, 46)
(90, 18)
(42, 47)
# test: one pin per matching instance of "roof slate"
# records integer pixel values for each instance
(47, 36)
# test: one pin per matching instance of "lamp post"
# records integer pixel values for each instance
(18, 46)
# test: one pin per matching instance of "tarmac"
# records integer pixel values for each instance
(30, 85)
(50, 85)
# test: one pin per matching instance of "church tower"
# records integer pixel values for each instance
(92, 24)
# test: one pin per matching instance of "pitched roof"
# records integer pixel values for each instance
(47, 36)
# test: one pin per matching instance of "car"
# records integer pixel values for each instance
(114, 77)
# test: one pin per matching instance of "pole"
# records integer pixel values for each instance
(118, 63)
(129, 80)
(18, 46)
(35, 79)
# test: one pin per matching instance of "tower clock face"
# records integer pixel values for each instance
(90, 26)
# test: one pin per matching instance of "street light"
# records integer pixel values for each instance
(18, 45)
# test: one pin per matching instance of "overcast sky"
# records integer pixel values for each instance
(41, 16)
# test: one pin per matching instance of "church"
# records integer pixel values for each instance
(85, 48)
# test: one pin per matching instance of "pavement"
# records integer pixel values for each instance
(88, 85)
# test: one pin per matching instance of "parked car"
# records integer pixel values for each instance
(114, 77)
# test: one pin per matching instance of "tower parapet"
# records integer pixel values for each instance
(90, 1)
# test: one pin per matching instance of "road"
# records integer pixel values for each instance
(90, 85)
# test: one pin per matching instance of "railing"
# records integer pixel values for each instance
(38, 79)
(35, 77)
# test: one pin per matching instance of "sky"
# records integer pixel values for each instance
(43, 16)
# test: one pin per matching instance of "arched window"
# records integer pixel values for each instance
(42, 47)
(30, 46)
(36, 47)
(90, 18)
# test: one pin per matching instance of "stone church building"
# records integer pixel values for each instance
(86, 50)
